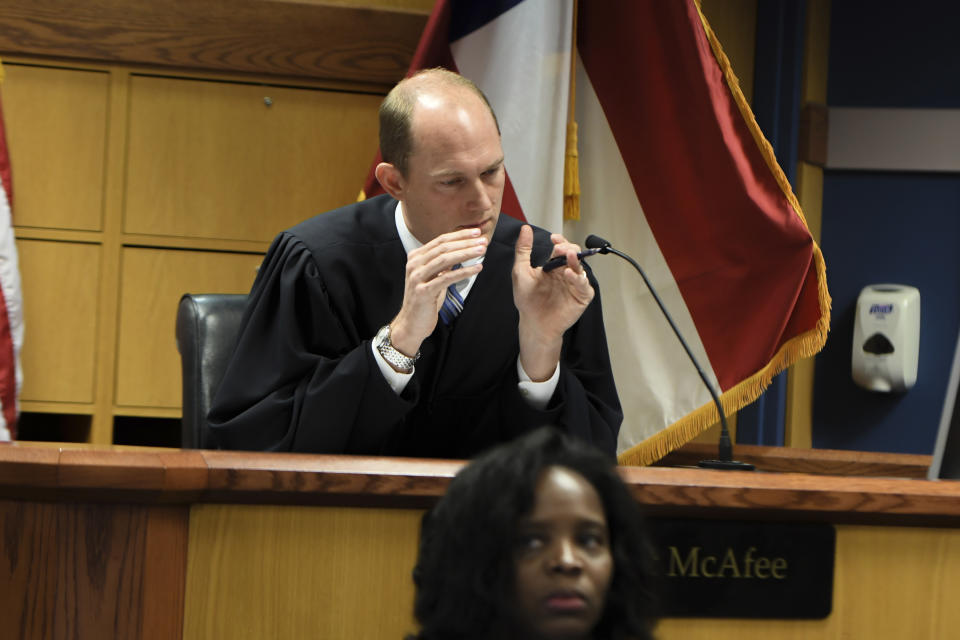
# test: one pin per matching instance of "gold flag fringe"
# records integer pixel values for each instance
(571, 161)
(803, 346)
(1, 71)
(362, 196)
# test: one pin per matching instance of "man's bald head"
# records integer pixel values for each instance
(396, 110)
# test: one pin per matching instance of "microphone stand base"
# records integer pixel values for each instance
(726, 465)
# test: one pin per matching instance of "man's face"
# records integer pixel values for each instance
(562, 559)
(455, 173)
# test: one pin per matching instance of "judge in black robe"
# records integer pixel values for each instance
(303, 377)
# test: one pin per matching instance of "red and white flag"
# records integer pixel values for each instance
(11, 302)
(673, 171)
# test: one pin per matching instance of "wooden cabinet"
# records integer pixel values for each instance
(241, 161)
(56, 125)
(132, 188)
(60, 284)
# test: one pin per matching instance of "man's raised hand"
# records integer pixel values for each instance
(548, 303)
(429, 273)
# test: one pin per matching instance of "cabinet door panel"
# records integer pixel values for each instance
(327, 565)
(60, 291)
(239, 161)
(148, 364)
(56, 124)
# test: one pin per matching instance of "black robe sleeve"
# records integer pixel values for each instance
(300, 378)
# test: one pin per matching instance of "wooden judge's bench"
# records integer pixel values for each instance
(162, 543)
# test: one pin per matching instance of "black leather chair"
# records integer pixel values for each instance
(207, 330)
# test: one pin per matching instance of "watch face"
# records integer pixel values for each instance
(383, 336)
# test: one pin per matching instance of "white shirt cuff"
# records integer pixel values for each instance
(397, 381)
(537, 394)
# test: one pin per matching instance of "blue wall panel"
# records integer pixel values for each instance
(894, 54)
(890, 226)
(905, 229)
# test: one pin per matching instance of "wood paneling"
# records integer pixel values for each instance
(148, 364)
(735, 23)
(165, 572)
(56, 130)
(902, 569)
(112, 159)
(122, 562)
(815, 461)
(809, 189)
(816, 52)
(61, 286)
(153, 474)
(215, 160)
(368, 41)
(136, 124)
(890, 582)
(296, 572)
(78, 570)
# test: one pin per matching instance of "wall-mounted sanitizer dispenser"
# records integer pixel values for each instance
(886, 337)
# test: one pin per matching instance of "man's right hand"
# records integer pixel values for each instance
(429, 273)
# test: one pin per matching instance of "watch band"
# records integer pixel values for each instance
(400, 362)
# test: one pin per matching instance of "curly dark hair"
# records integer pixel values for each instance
(464, 573)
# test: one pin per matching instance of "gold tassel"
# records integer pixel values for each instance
(362, 196)
(571, 176)
(571, 161)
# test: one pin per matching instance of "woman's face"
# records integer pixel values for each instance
(562, 558)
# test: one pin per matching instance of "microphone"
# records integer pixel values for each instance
(596, 242)
(725, 459)
(559, 261)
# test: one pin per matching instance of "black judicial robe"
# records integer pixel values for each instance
(303, 376)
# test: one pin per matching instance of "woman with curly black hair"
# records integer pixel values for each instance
(535, 539)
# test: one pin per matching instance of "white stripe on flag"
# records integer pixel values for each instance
(656, 381)
(11, 289)
(521, 61)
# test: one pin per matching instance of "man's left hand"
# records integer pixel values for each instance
(549, 303)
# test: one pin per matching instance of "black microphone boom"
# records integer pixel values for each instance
(725, 460)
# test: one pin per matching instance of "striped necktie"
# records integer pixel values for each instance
(452, 303)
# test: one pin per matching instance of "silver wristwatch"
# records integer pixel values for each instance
(400, 362)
